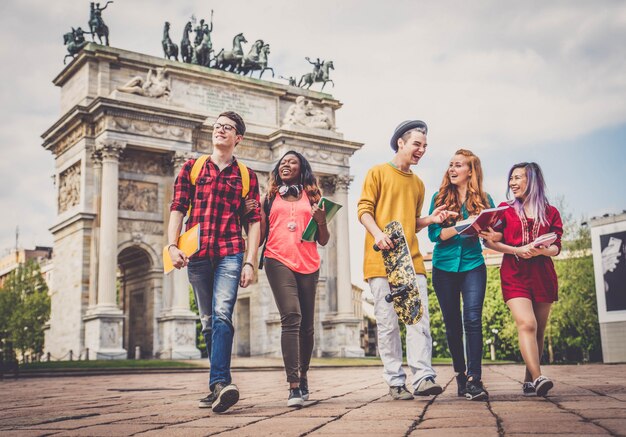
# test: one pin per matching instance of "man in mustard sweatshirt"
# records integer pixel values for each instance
(391, 191)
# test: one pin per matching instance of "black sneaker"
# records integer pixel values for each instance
(542, 385)
(304, 388)
(226, 395)
(474, 391)
(295, 398)
(528, 389)
(207, 402)
(461, 381)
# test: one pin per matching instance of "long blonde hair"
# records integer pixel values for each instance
(476, 199)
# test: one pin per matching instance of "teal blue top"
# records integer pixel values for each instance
(459, 253)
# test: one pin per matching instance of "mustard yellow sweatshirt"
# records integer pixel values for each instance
(390, 194)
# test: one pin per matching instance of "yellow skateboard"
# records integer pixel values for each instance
(402, 278)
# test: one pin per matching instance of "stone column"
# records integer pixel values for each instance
(344, 279)
(96, 158)
(107, 271)
(104, 322)
(177, 323)
(342, 330)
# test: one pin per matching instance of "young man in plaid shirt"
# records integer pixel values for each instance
(218, 268)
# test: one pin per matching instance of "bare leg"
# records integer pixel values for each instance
(542, 312)
(526, 322)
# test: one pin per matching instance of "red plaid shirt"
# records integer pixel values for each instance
(217, 206)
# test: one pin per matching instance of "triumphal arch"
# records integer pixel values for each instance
(128, 123)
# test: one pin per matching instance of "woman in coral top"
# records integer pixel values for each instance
(292, 265)
(529, 282)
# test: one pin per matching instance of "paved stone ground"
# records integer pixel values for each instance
(587, 400)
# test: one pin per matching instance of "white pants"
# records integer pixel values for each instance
(419, 344)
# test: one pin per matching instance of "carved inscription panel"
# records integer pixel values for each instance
(138, 196)
(219, 98)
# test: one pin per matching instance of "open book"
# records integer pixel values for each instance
(189, 243)
(487, 218)
(545, 240)
(331, 209)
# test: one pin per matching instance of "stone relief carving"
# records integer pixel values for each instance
(161, 130)
(136, 161)
(108, 335)
(71, 138)
(303, 113)
(139, 226)
(69, 188)
(155, 85)
(138, 196)
(183, 337)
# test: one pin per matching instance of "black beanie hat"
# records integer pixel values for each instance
(403, 128)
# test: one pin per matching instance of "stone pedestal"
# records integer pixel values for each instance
(342, 338)
(103, 335)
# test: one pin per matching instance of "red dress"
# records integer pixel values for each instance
(533, 278)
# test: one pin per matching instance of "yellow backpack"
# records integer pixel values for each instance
(197, 168)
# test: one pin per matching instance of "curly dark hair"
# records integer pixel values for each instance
(307, 179)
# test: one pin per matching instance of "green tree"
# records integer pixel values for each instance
(25, 307)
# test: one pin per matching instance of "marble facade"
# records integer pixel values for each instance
(116, 157)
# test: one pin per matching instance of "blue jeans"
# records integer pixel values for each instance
(215, 283)
(449, 286)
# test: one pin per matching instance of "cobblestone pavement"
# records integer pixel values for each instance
(587, 400)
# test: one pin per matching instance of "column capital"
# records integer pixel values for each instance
(180, 158)
(109, 149)
(96, 157)
(342, 182)
(328, 184)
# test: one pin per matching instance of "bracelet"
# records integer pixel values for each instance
(249, 264)
(515, 253)
(321, 224)
(170, 245)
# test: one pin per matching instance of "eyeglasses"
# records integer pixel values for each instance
(227, 127)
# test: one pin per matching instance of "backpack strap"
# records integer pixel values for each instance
(245, 178)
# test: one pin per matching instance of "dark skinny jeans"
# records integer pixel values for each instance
(449, 286)
(295, 298)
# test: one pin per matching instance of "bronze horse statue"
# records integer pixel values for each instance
(309, 79)
(186, 51)
(96, 23)
(261, 64)
(75, 41)
(169, 48)
(231, 59)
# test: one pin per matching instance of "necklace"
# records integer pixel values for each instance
(291, 225)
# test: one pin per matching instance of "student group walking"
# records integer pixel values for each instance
(222, 196)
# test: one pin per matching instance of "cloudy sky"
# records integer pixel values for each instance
(512, 81)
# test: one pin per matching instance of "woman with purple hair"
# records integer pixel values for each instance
(529, 282)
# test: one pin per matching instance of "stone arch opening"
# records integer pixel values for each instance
(136, 299)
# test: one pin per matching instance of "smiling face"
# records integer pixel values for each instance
(289, 169)
(412, 150)
(459, 170)
(225, 134)
(518, 183)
